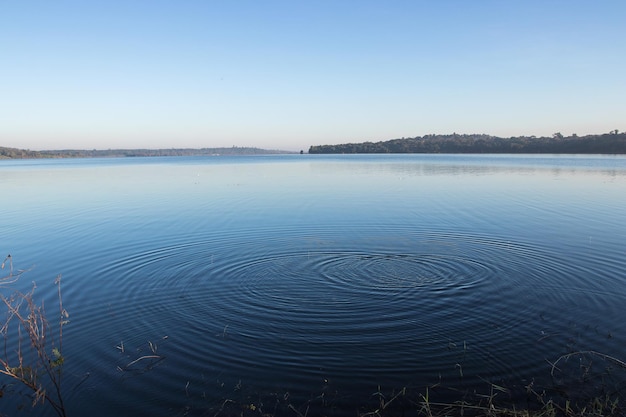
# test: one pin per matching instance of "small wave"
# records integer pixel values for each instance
(295, 306)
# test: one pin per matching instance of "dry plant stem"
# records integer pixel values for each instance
(292, 408)
(426, 404)
(64, 315)
(384, 404)
(588, 352)
(10, 277)
(222, 407)
(142, 358)
(38, 363)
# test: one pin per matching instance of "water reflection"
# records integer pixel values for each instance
(301, 272)
(425, 165)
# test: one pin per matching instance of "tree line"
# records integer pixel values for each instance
(14, 153)
(613, 142)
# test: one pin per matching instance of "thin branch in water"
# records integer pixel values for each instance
(142, 358)
(588, 352)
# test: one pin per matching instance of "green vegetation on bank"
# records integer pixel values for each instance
(613, 142)
(13, 153)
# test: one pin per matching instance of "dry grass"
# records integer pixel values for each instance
(35, 356)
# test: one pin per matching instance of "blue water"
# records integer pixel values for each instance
(295, 275)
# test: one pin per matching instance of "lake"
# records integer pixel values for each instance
(321, 280)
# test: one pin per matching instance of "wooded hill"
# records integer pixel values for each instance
(13, 153)
(608, 143)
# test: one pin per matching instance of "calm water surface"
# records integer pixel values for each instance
(299, 275)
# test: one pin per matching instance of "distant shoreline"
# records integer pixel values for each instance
(613, 142)
(14, 153)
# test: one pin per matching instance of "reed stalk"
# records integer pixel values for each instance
(37, 358)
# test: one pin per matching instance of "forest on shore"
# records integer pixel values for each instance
(14, 153)
(613, 142)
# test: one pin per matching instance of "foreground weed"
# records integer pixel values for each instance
(37, 359)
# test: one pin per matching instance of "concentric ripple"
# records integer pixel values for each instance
(405, 273)
(190, 281)
(332, 293)
(296, 306)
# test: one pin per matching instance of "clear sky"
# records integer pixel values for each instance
(290, 74)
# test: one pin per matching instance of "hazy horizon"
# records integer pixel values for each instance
(259, 147)
(284, 76)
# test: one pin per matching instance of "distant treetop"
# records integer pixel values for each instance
(613, 142)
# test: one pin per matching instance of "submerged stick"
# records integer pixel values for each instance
(142, 358)
(588, 352)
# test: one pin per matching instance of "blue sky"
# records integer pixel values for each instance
(290, 74)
